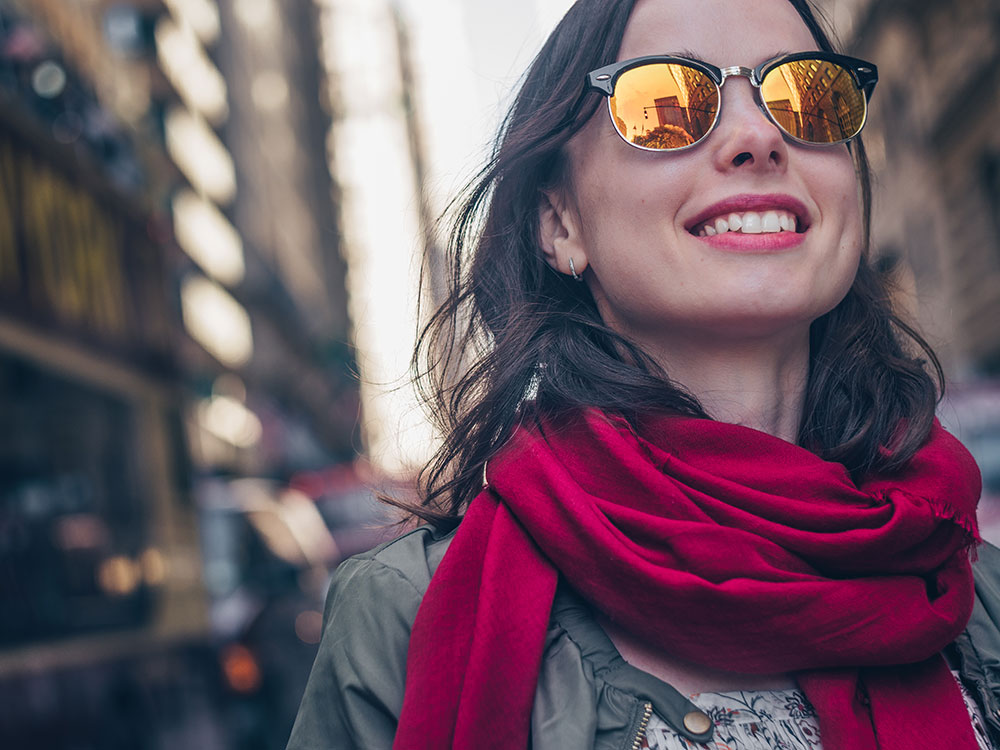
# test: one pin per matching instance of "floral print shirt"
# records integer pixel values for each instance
(766, 720)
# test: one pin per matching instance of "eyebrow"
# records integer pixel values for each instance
(690, 55)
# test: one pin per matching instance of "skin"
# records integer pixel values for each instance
(732, 327)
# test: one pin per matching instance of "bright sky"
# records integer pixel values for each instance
(473, 51)
(468, 56)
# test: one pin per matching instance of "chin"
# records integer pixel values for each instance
(780, 301)
(755, 322)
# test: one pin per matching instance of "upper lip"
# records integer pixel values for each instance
(753, 202)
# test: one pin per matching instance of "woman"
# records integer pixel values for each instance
(693, 454)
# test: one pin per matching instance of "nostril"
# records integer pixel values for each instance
(742, 158)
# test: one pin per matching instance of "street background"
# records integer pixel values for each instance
(212, 214)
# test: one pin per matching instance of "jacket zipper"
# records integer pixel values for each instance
(647, 713)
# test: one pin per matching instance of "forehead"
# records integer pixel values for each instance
(721, 32)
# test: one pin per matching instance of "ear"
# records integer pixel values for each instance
(559, 232)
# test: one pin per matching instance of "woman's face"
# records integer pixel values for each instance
(628, 215)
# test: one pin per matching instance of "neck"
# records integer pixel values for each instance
(757, 384)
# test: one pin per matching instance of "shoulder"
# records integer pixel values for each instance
(410, 560)
(979, 646)
(379, 591)
(986, 568)
(375, 596)
(383, 587)
(985, 623)
(355, 691)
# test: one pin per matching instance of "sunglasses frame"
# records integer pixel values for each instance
(865, 75)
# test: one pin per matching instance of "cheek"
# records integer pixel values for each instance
(845, 239)
(840, 187)
(838, 196)
(629, 211)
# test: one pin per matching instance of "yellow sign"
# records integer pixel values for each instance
(63, 254)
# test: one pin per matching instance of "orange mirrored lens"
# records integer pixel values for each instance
(664, 105)
(814, 100)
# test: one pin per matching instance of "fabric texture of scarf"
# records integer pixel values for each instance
(721, 545)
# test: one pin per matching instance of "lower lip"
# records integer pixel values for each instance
(771, 242)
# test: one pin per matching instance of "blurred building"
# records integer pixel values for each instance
(99, 564)
(267, 236)
(174, 353)
(377, 150)
(935, 152)
(419, 88)
(934, 149)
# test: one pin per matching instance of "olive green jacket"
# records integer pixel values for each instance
(587, 696)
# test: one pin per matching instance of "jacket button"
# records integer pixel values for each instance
(697, 722)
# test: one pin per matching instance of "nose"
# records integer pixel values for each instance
(744, 137)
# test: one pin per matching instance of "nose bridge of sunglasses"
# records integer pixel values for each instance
(738, 70)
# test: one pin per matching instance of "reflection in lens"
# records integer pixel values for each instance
(664, 105)
(814, 100)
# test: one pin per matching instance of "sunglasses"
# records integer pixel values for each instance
(663, 103)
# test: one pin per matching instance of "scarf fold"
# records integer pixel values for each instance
(720, 544)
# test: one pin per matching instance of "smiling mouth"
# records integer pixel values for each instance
(749, 222)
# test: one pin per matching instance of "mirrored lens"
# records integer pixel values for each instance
(664, 105)
(814, 100)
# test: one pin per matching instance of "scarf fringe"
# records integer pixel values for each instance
(945, 511)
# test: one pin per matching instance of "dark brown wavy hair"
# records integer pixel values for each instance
(511, 330)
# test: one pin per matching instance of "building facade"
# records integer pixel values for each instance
(175, 354)
(935, 149)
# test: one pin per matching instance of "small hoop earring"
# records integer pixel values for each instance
(572, 270)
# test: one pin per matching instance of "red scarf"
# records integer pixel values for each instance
(724, 545)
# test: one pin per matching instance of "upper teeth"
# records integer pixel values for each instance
(750, 222)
